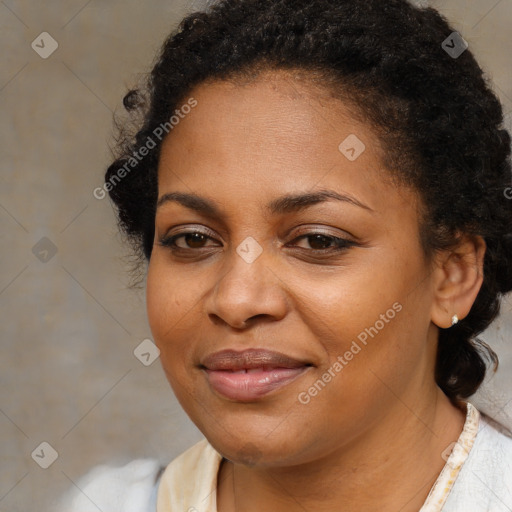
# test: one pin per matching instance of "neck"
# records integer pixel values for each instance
(389, 468)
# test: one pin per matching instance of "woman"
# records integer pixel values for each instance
(320, 191)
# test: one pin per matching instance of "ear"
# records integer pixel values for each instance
(457, 278)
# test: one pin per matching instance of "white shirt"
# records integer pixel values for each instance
(477, 477)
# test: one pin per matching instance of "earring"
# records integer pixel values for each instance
(455, 319)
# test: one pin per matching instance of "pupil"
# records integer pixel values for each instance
(194, 238)
(319, 238)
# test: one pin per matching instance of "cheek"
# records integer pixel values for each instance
(157, 301)
(375, 319)
(341, 306)
(169, 305)
(171, 317)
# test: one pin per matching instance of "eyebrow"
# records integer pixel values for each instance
(288, 203)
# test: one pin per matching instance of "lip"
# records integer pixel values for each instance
(249, 375)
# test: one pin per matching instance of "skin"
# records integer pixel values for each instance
(372, 438)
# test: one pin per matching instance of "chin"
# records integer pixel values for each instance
(262, 449)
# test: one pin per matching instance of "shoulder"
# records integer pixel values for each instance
(189, 482)
(485, 480)
(127, 488)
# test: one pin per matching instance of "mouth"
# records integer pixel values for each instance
(251, 374)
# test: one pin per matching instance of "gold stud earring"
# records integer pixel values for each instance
(455, 319)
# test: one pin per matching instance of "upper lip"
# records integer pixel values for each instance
(250, 358)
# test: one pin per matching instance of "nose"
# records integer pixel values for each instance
(246, 293)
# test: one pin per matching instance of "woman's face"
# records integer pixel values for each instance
(291, 323)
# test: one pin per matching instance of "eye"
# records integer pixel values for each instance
(314, 242)
(325, 243)
(191, 240)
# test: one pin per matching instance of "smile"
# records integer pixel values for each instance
(252, 374)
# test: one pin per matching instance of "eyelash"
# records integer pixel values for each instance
(341, 244)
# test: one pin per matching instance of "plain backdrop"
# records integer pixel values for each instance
(69, 323)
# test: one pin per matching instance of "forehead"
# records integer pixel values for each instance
(274, 131)
(271, 101)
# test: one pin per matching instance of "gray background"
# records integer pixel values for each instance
(69, 326)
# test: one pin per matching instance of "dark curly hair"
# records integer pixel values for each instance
(439, 122)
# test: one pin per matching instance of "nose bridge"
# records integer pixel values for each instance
(244, 273)
(245, 287)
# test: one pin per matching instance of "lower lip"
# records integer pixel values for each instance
(247, 387)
